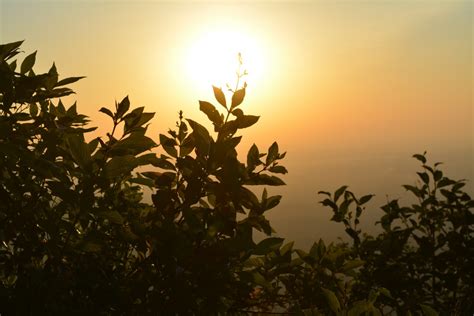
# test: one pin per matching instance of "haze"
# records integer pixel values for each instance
(349, 89)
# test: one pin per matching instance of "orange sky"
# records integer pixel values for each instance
(350, 89)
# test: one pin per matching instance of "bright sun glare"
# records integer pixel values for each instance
(212, 59)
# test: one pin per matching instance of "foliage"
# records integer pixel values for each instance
(425, 253)
(78, 238)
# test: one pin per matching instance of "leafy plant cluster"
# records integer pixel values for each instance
(77, 237)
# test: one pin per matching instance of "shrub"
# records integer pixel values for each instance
(77, 238)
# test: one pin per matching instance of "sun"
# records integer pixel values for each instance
(213, 58)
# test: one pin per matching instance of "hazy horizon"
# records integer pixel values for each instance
(349, 89)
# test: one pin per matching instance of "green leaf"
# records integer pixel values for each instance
(211, 113)
(259, 279)
(28, 63)
(428, 311)
(219, 95)
(332, 300)
(237, 98)
(286, 248)
(267, 245)
(359, 308)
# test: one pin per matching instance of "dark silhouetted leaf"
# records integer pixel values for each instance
(211, 113)
(237, 98)
(219, 95)
(28, 63)
(245, 121)
(267, 245)
(123, 107)
(107, 111)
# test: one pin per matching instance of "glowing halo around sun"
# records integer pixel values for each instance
(212, 59)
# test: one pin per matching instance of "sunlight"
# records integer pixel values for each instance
(212, 59)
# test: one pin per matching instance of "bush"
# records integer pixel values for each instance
(77, 237)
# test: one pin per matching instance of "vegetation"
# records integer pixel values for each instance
(77, 237)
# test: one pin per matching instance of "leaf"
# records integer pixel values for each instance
(51, 78)
(13, 65)
(272, 153)
(245, 121)
(123, 107)
(352, 264)
(143, 181)
(238, 112)
(120, 166)
(28, 63)
(421, 158)
(278, 169)
(91, 247)
(259, 279)
(201, 136)
(237, 98)
(286, 248)
(424, 176)
(79, 150)
(267, 245)
(134, 144)
(365, 199)
(339, 192)
(113, 217)
(428, 311)
(359, 308)
(264, 179)
(219, 95)
(253, 157)
(33, 109)
(67, 81)
(106, 111)
(168, 145)
(332, 300)
(272, 202)
(9, 50)
(211, 113)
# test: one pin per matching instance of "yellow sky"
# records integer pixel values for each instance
(349, 88)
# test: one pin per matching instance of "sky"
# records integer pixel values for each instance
(350, 89)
